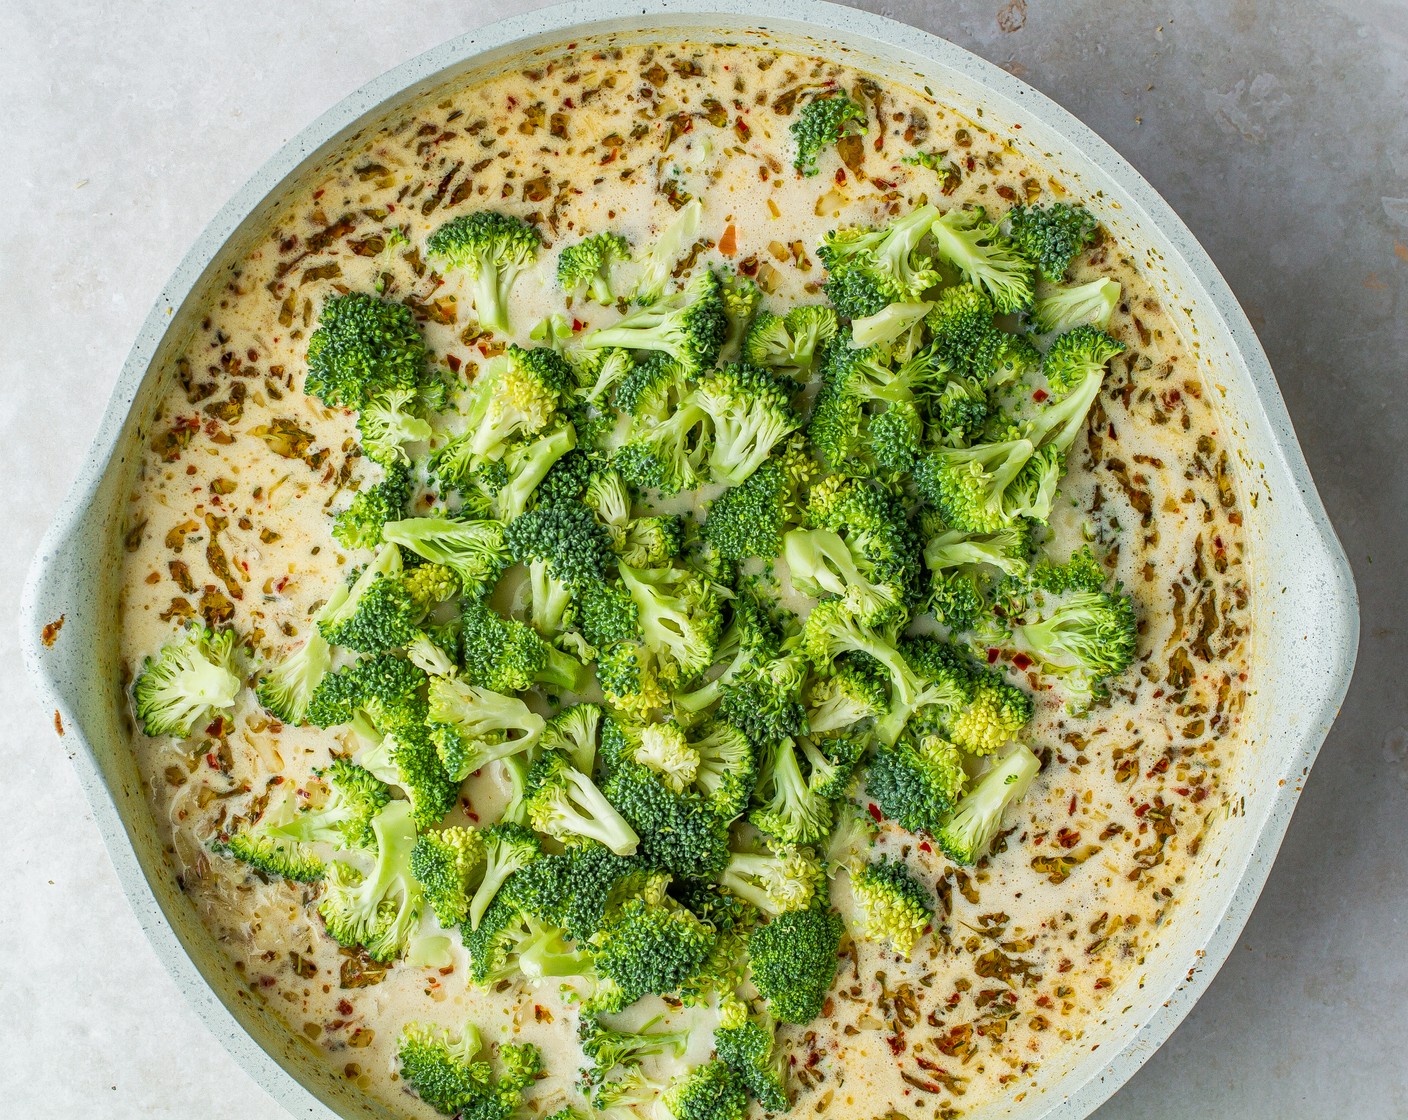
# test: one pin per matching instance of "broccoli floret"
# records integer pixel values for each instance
(377, 910)
(763, 700)
(854, 692)
(474, 724)
(588, 264)
(567, 480)
(752, 636)
(790, 343)
(360, 524)
(727, 768)
(821, 564)
(750, 412)
(894, 905)
(607, 1050)
(831, 761)
(888, 257)
(679, 615)
(896, 328)
(444, 863)
(634, 1093)
(630, 678)
(855, 295)
(831, 630)
(688, 327)
(507, 848)
(413, 759)
(286, 689)
(387, 421)
(516, 394)
(660, 747)
(969, 832)
(978, 710)
(751, 1051)
(575, 730)
(1051, 236)
(267, 845)
(916, 784)
(1005, 551)
(964, 333)
(788, 878)
(1077, 305)
(987, 488)
(1084, 639)
(354, 798)
(599, 372)
(647, 945)
(189, 679)
(708, 1092)
(987, 260)
(788, 808)
(748, 520)
(674, 241)
(821, 124)
(566, 804)
(576, 889)
(741, 299)
(510, 942)
(384, 687)
(492, 249)
(379, 612)
(606, 614)
(473, 550)
(363, 347)
(504, 655)
(447, 1072)
(565, 549)
(1076, 360)
(852, 838)
(678, 831)
(896, 436)
(793, 961)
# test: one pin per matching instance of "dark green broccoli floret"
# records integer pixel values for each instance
(894, 905)
(447, 1072)
(1051, 236)
(444, 863)
(855, 295)
(377, 910)
(493, 249)
(504, 655)
(916, 783)
(1083, 639)
(751, 638)
(363, 347)
(749, 520)
(360, 524)
(385, 687)
(411, 758)
(987, 488)
(516, 395)
(507, 848)
(987, 260)
(708, 1092)
(678, 831)
(793, 960)
(564, 548)
(688, 327)
(763, 699)
(831, 761)
(671, 456)
(588, 264)
(887, 257)
(969, 832)
(647, 945)
(510, 941)
(751, 1051)
(189, 679)
(821, 124)
(606, 614)
(963, 330)
(750, 412)
(727, 768)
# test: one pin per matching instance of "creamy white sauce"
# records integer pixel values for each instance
(1129, 789)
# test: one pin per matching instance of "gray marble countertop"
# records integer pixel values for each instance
(1277, 130)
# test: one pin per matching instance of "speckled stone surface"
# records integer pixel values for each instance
(1276, 130)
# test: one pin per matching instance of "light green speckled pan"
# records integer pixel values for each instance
(1305, 614)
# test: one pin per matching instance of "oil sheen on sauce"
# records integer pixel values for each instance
(229, 520)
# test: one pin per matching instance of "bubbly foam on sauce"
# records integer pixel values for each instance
(229, 520)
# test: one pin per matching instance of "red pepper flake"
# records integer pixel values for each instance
(567, 103)
(840, 175)
(344, 1007)
(212, 760)
(1071, 809)
(215, 726)
(1021, 661)
(1139, 812)
(884, 184)
(453, 362)
(875, 812)
(924, 846)
(896, 1044)
(319, 192)
(1182, 791)
(513, 103)
(1040, 395)
(993, 654)
(578, 326)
